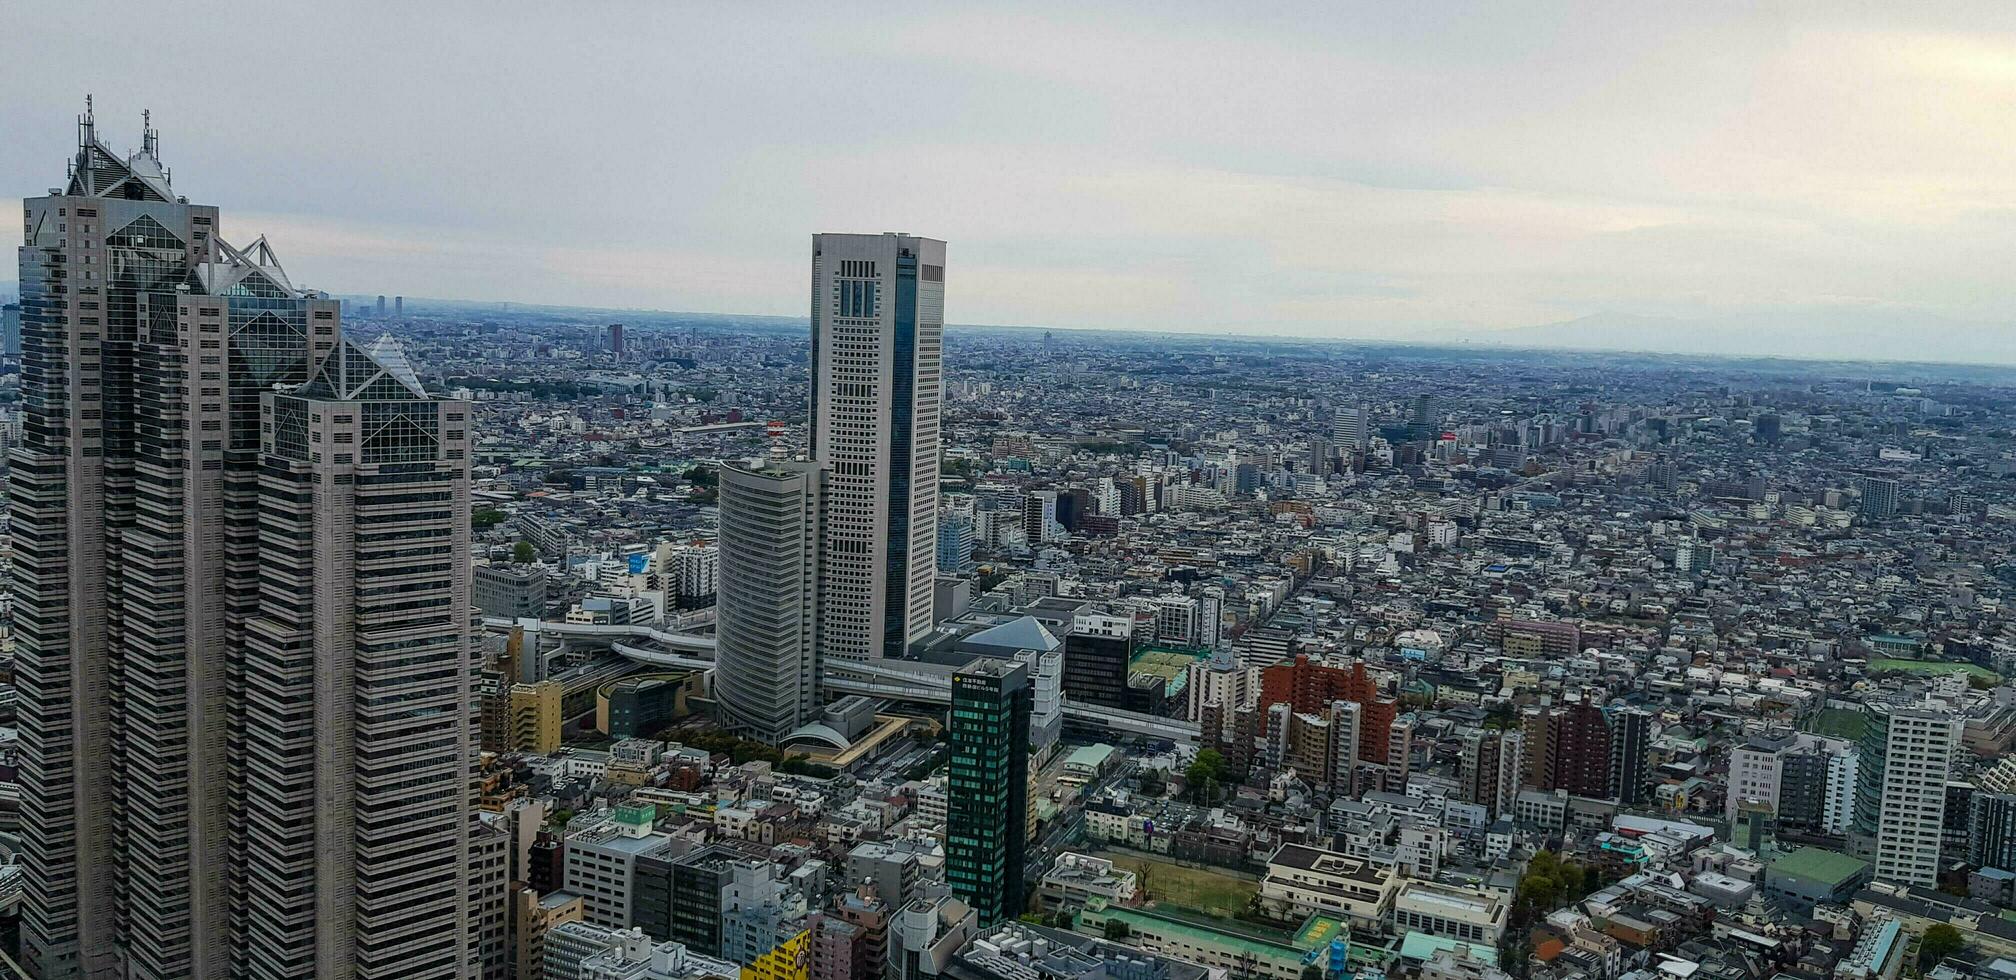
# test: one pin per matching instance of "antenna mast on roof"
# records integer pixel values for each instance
(87, 125)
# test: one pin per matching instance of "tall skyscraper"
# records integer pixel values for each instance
(109, 269)
(878, 318)
(1351, 428)
(359, 664)
(768, 608)
(381, 305)
(1424, 418)
(398, 306)
(141, 619)
(986, 822)
(1906, 757)
(616, 340)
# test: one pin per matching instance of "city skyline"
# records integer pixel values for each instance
(1679, 172)
(351, 638)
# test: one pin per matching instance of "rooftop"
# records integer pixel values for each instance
(1818, 864)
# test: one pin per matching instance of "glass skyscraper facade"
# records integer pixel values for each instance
(987, 796)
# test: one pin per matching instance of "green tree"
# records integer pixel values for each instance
(1205, 773)
(523, 553)
(486, 517)
(1939, 942)
(1551, 882)
(1116, 930)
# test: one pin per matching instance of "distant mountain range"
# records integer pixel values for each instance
(1829, 335)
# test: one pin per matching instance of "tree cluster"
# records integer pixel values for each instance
(1206, 775)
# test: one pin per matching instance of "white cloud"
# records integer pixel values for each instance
(1361, 168)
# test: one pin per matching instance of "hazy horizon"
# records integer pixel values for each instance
(1363, 172)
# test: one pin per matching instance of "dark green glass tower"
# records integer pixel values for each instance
(987, 803)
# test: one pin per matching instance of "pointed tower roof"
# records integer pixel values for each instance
(379, 372)
(254, 270)
(99, 172)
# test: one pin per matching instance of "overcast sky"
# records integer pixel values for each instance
(1385, 169)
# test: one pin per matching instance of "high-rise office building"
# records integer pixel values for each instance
(955, 542)
(1757, 773)
(1489, 770)
(381, 305)
(1991, 830)
(398, 306)
(986, 822)
(511, 590)
(359, 664)
(878, 319)
(142, 603)
(1630, 752)
(1879, 496)
(1351, 428)
(616, 340)
(71, 486)
(1320, 452)
(1906, 756)
(1693, 556)
(1039, 518)
(1570, 747)
(695, 571)
(1098, 654)
(769, 615)
(1424, 418)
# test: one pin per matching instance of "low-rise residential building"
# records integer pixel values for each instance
(1475, 915)
(1077, 879)
(1303, 881)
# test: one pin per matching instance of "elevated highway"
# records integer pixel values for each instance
(899, 680)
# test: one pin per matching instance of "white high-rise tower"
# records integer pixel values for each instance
(878, 318)
(1907, 754)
